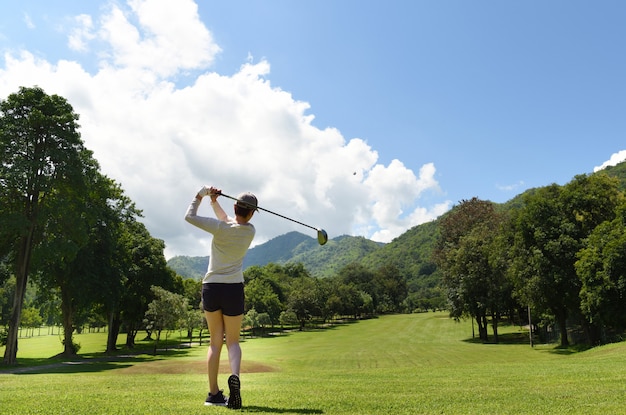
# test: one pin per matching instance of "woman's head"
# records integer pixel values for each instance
(246, 203)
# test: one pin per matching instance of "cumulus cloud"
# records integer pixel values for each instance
(615, 158)
(81, 33)
(162, 141)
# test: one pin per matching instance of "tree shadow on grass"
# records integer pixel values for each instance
(276, 332)
(265, 409)
(571, 349)
(503, 339)
(73, 367)
(84, 363)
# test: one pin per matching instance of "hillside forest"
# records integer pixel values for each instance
(74, 253)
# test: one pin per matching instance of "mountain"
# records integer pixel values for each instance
(280, 249)
(327, 260)
(618, 171)
(410, 252)
(189, 266)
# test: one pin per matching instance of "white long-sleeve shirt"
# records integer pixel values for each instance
(231, 241)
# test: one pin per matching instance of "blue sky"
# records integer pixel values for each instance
(428, 102)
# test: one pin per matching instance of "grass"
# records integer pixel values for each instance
(402, 364)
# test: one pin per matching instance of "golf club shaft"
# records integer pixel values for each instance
(274, 213)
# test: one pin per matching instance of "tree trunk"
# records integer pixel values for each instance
(482, 328)
(156, 342)
(561, 320)
(131, 334)
(494, 323)
(68, 326)
(593, 333)
(481, 321)
(114, 330)
(23, 258)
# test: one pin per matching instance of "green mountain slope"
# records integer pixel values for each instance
(618, 171)
(189, 266)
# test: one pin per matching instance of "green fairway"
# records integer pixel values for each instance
(401, 364)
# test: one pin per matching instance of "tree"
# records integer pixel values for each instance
(193, 319)
(143, 264)
(288, 318)
(31, 318)
(345, 300)
(303, 300)
(166, 312)
(390, 287)
(473, 280)
(89, 277)
(7, 289)
(42, 167)
(114, 256)
(253, 320)
(550, 229)
(261, 296)
(601, 267)
(361, 277)
(192, 290)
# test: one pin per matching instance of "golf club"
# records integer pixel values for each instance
(322, 236)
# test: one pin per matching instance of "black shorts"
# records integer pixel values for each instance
(226, 297)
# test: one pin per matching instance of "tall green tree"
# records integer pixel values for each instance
(304, 300)
(167, 311)
(474, 282)
(92, 277)
(143, 265)
(601, 267)
(391, 288)
(551, 228)
(42, 169)
(361, 277)
(260, 295)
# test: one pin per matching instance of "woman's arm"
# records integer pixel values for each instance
(214, 192)
(219, 212)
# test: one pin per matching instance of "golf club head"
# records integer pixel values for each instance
(322, 236)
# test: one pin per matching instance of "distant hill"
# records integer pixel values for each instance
(279, 249)
(189, 266)
(618, 171)
(327, 260)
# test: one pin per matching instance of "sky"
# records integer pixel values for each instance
(363, 118)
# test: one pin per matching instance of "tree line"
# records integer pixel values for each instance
(67, 228)
(560, 252)
(288, 294)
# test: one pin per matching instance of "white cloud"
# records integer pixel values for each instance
(615, 158)
(393, 191)
(238, 132)
(169, 37)
(28, 21)
(82, 33)
(510, 187)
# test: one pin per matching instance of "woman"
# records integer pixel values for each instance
(222, 285)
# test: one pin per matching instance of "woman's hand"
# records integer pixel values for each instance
(214, 192)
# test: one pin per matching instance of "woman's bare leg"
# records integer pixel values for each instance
(215, 322)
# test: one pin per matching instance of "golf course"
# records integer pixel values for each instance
(398, 364)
